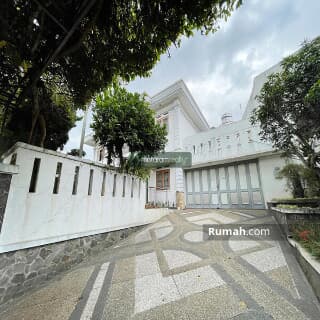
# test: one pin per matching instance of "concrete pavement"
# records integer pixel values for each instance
(167, 271)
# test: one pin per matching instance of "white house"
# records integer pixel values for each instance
(231, 166)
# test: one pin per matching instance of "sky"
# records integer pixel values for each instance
(219, 68)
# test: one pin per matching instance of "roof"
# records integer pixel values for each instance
(180, 91)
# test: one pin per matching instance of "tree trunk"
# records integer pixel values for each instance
(119, 152)
(317, 171)
(43, 128)
(35, 111)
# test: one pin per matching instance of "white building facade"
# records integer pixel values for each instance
(231, 166)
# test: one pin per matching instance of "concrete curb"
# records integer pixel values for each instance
(309, 265)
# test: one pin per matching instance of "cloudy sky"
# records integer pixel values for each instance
(219, 68)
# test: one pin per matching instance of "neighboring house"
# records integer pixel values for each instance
(231, 166)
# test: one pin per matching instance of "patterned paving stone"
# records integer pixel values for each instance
(238, 245)
(143, 236)
(161, 224)
(120, 301)
(219, 286)
(267, 259)
(168, 311)
(218, 303)
(205, 221)
(154, 290)
(194, 236)
(163, 232)
(94, 294)
(124, 270)
(178, 258)
(55, 301)
(197, 280)
(146, 264)
(221, 218)
(216, 216)
(283, 277)
(241, 214)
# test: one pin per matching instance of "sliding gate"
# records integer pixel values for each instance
(229, 186)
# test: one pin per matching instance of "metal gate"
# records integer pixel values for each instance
(230, 186)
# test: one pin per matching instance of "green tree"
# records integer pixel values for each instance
(84, 45)
(289, 106)
(123, 118)
(60, 118)
(134, 166)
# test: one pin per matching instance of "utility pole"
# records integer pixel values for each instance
(83, 132)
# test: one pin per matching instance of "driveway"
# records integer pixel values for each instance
(167, 271)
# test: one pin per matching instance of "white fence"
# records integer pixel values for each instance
(166, 198)
(55, 197)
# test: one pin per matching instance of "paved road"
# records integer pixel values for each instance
(167, 271)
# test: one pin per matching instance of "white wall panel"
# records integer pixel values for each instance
(196, 179)
(242, 176)
(204, 180)
(232, 178)
(222, 179)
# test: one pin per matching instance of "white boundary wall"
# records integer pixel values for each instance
(41, 217)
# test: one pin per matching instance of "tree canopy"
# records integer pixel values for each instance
(77, 153)
(124, 119)
(59, 119)
(289, 106)
(83, 45)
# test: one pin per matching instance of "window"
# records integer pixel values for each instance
(34, 175)
(90, 182)
(209, 145)
(201, 147)
(75, 180)
(163, 120)
(103, 186)
(194, 149)
(57, 178)
(163, 179)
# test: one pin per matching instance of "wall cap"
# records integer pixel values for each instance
(22, 145)
(8, 168)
